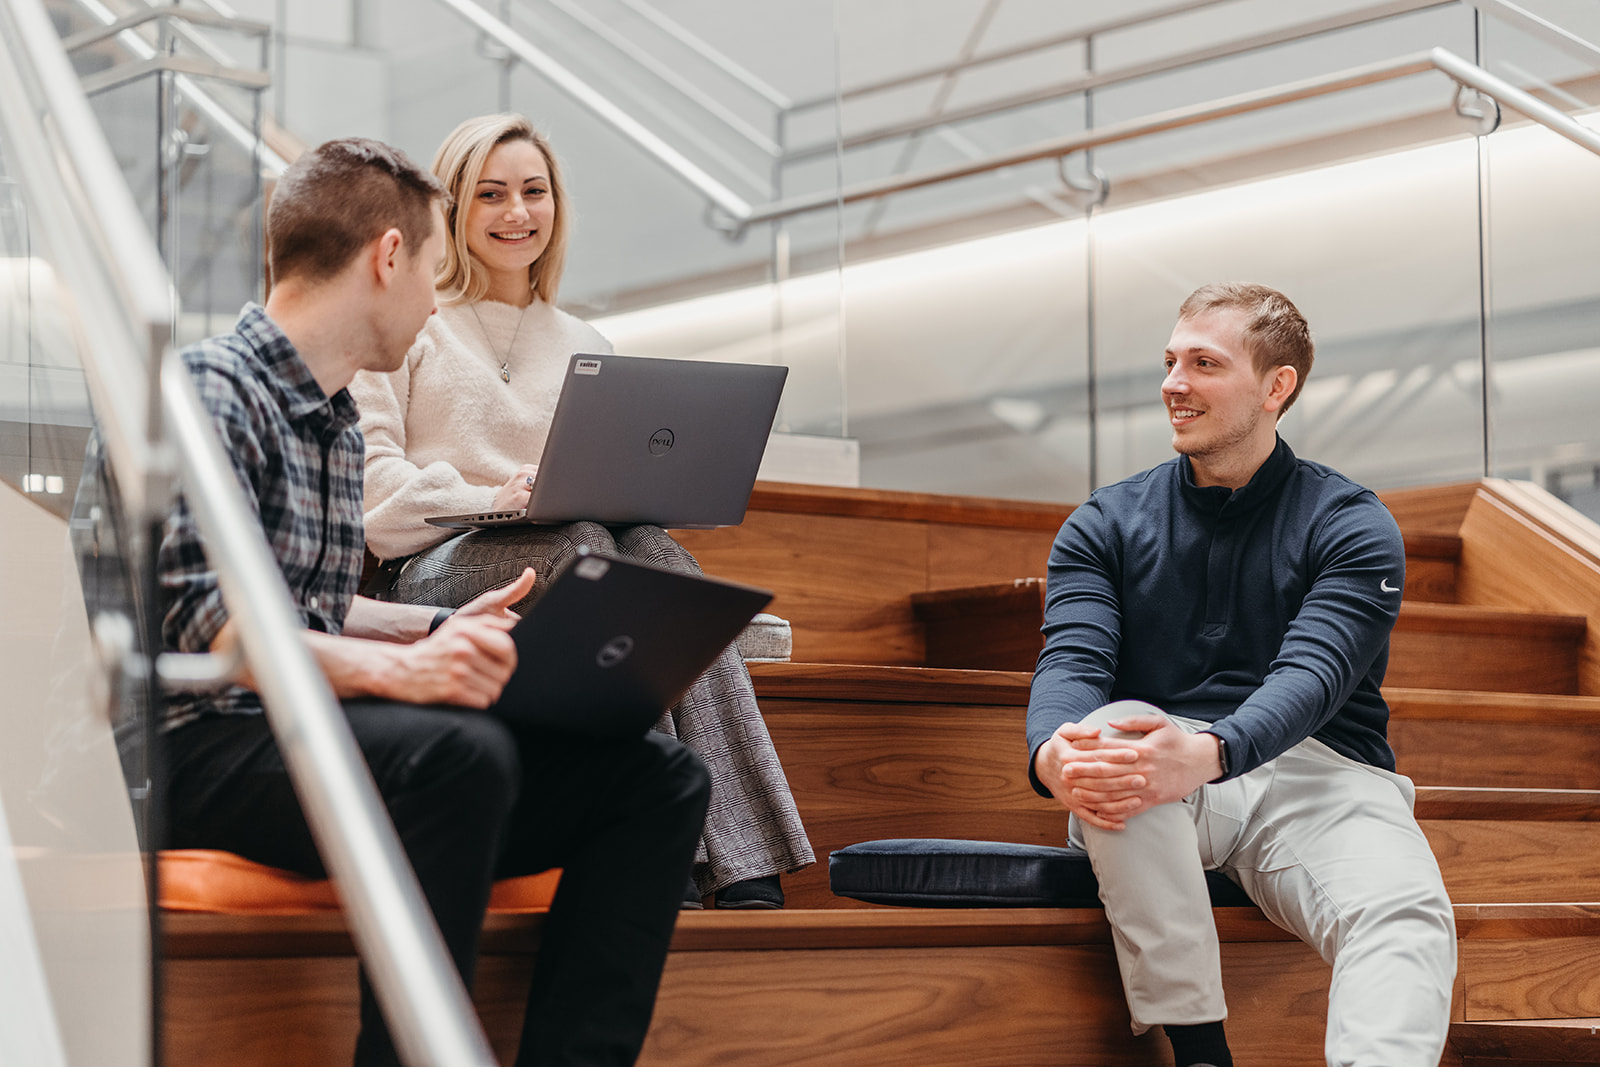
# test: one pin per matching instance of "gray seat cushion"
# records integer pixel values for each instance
(930, 872)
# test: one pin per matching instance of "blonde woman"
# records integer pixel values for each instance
(460, 427)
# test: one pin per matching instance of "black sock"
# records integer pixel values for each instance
(1201, 1043)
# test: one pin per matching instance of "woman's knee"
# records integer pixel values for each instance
(653, 545)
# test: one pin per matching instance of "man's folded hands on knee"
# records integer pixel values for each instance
(1106, 780)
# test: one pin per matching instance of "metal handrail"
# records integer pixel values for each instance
(602, 107)
(1044, 44)
(1440, 59)
(1122, 75)
(272, 163)
(647, 60)
(102, 249)
(733, 70)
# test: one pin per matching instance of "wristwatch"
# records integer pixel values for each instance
(1222, 755)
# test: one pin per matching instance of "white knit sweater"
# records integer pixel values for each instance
(444, 432)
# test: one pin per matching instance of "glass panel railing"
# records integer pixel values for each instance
(1058, 390)
(1381, 257)
(80, 927)
(184, 124)
(115, 286)
(1541, 221)
(652, 263)
(1035, 402)
(44, 405)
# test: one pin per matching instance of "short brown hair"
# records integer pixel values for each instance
(1274, 329)
(340, 196)
(459, 164)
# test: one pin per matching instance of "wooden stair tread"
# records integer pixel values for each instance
(917, 685)
(1515, 1041)
(1487, 706)
(915, 507)
(1026, 594)
(1501, 805)
(1422, 545)
(1475, 619)
(197, 935)
(907, 685)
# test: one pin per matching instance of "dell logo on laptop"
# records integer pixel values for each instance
(661, 442)
(615, 651)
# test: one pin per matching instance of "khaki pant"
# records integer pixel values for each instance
(1328, 848)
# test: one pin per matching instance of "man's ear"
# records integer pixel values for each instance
(1283, 380)
(386, 255)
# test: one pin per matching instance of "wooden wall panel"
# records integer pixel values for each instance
(975, 555)
(844, 583)
(1522, 548)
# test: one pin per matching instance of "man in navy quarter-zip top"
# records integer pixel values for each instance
(1216, 632)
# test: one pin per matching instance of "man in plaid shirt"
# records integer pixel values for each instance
(356, 234)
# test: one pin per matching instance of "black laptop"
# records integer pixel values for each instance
(671, 442)
(612, 643)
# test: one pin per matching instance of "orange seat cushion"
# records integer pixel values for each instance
(206, 880)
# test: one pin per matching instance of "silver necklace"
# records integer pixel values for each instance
(505, 363)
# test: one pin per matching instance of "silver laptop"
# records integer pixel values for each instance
(611, 643)
(669, 442)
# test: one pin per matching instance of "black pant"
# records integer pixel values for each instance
(474, 800)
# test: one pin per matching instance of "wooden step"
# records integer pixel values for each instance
(1527, 1043)
(1432, 561)
(885, 752)
(985, 986)
(1495, 739)
(1458, 646)
(1436, 643)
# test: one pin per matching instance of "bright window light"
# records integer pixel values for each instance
(33, 483)
(54, 483)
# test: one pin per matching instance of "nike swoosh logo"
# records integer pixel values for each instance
(1386, 587)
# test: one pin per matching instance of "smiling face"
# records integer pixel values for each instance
(1223, 414)
(511, 216)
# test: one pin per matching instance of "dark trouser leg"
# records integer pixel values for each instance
(449, 778)
(621, 818)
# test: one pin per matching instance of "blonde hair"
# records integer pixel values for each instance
(459, 164)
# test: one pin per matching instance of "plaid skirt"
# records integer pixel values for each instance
(752, 829)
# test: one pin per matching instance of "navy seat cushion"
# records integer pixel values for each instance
(931, 872)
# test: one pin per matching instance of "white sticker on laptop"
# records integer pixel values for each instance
(591, 567)
(586, 366)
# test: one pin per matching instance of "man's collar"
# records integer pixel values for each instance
(1261, 486)
(297, 389)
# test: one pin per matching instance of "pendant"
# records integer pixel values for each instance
(505, 372)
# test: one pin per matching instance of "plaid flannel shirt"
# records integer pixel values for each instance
(299, 457)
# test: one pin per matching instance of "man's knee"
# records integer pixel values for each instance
(1120, 709)
(679, 778)
(468, 760)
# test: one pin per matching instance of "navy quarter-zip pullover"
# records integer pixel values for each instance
(1264, 611)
